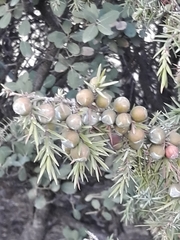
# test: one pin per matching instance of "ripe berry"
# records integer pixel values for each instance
(174, 190)
(108, 117)
(116, 141)
(71, 138)
(136, 135)
(80, 153)
(62, 111)
(172, 152)
(121, 105)
(157, 135)
(85, 97)
(74, 121)
(139, 113)
(90, 117)
(174, 138)
(22, 106)
(103, 101)
(46, 113)
(157, 151)
(123, 120)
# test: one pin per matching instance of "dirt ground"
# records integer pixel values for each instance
(16, 214)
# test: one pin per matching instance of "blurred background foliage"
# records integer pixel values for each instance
(47, 45)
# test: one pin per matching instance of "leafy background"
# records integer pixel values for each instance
(46, 45)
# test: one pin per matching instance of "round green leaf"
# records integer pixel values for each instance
(73, 48)
(143, 33)
(13, 2)
(109, 18)
(54, 187)
(40, 202)
(105, 29)
(91, 12)
(23, 159)
(59, 67)
(49, 81)
(76, 214)
(96, 204)
(54, 89)
(17, 13)
(113, 47)
(24, 77)
(108, 203)
(107, 216)
(24, 86)
(67, 233)
(71, 94)
(80, 66)
(90, 16)
(52, 37)
(32, 193)
(26, 49)
(1, 172)
(3, 10)
(58, 9)
(66, 26)
(75, 235)
(24, 28)
(11, 85)
(43, 90)
(5, 20)
(64, 170)
(11, 161)
(58, 38)
(77, 36)
(5, 151)
(68, 188)
(73, 79)
(90, 33)
(136, 41)
(22, 175)
(130, 30)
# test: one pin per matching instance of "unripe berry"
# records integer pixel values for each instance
(94, 82)
(90, 117)
(62, 111)
(22, 106)
(136, 145)
(123, 120)
(103, 101)
(174, 190)
(108, 117)
(65, 149)
(85, 97)
(74, 121)
(139, 113)
(174, 138)
(80, 153)
(172, 152)
(46, 113)
(157, 151)
(71, 138)
(121, 131)
(136, 135)
(157, 135)
(121, 105)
